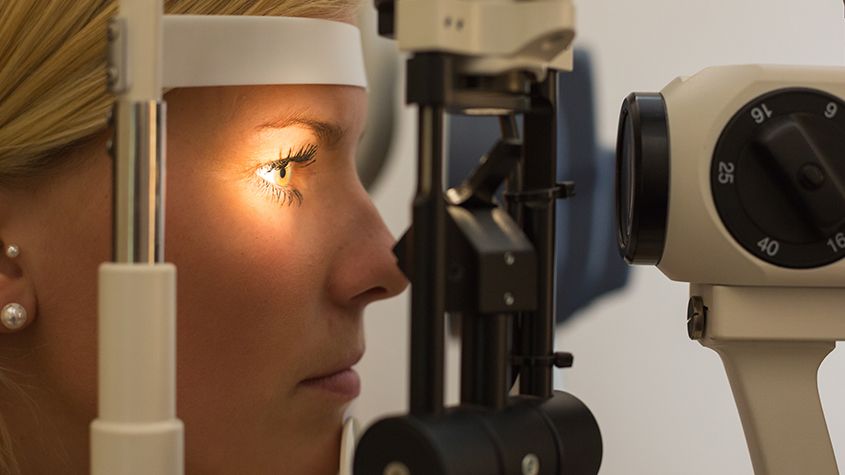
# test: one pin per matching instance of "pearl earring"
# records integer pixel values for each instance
(13, 316)
(13, 251)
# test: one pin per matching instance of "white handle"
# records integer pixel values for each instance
(776, 391)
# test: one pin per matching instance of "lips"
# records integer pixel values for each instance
(341, 380)
(345, 384)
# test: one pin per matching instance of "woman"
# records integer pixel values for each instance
(277, 244)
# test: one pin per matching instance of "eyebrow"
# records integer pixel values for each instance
(330, 134)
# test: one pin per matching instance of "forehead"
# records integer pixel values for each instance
(244, 107)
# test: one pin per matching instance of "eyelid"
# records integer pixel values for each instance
(288, 194)
(305, 155)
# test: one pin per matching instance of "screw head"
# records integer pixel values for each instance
(530, 465)
(811, 176)
(696, 318)
(509, 258)
(396, 468)
(113, 31)
(113, 76)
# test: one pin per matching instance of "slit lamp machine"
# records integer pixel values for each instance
(732, 180)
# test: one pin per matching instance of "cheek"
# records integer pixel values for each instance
(74, 238)
(250, 287)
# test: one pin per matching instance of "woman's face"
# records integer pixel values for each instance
(278, 250)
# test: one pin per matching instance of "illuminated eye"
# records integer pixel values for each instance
(277, 174)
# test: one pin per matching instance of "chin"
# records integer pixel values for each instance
(321, 454)
(297, 449)
(319, 407)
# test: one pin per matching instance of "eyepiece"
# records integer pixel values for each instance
(642, 178)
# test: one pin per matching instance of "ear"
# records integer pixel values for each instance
(15, 286)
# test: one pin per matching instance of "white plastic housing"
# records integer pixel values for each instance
(502, 34)
(137, 432)
(699, 248)
(144, 49)
(772, 342)
(220, 50)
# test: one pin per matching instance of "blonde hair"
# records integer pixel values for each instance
(53, 93)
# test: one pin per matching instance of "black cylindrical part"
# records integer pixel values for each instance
(484, 360)
(428, 281)
(557, 437)
(579, 436)
(539, 172)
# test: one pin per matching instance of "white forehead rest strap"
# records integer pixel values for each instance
(220, 50)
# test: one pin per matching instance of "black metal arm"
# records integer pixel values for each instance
(493, 264)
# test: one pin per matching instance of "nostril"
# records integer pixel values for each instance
(376, 292)
(371, 295)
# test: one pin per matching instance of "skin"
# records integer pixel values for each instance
(269, 294)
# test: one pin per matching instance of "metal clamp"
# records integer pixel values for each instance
(562, 191)
(118, 59)
(558, 360)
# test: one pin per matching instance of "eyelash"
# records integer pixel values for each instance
(287, 196)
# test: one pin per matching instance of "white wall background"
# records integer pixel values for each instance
(663, 402)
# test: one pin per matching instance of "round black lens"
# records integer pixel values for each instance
(626, 180)
(642, 181)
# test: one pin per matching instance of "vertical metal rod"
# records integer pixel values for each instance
(135, 77)
(139, 176)
(509, 129)
(484, 360)
(136, 431)
(539, 172)
(429, 264)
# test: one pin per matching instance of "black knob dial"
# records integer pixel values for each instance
(778, 178)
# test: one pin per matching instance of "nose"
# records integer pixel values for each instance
(365, 269)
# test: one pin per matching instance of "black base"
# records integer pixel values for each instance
(561, 434)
